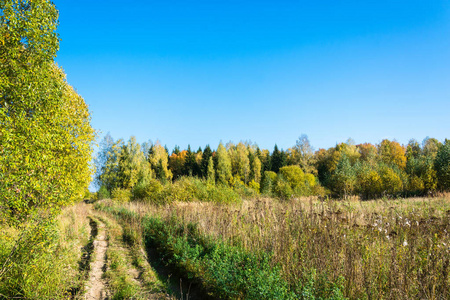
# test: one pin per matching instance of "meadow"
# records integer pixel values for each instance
(301, 248)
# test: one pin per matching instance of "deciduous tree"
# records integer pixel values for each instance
(45, 132)
(304, 155)
(159, 162)
(223, 169)
(442, 166)
(392, 153)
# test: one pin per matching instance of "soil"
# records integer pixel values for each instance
(96, 285)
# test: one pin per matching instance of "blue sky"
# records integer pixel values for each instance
(201, 72)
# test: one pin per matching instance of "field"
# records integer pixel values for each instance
(381, 249)
(256, 249)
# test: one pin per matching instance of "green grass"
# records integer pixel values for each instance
(44, 255)
(123, 253)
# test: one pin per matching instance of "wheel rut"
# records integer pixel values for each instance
(96, 287)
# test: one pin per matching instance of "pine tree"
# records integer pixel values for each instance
(176, 150)
(190, 163)
(206, 155)
(278, 159)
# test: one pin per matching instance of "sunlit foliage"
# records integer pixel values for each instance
(45, 131)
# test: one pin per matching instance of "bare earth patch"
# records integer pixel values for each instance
(96, 286)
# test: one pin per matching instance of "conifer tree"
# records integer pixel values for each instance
(278, 159)
(176, 150)
(206, 155)
(190, 163)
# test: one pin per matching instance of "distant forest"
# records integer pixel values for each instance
(149, 171)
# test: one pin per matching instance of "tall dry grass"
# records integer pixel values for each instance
(383, 249)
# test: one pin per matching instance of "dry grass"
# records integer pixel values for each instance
(45, 255)
(381, 249)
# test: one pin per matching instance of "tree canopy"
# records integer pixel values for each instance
(45, 132)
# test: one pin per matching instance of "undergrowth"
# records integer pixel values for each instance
(40, 260)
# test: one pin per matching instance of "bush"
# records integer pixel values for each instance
(148, 191)
(268, 181)
(283, 189)
(223, 194)
(188, 189)
(291, 181)
(43, 257)
(103, 193)
(243, 190)
(255, 186)
(415, 184)
(392, 182)
(294, 176)
(369, 182)
(184, 189)
(122, 195)
(229, 272)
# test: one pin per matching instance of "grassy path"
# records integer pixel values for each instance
(119, 268)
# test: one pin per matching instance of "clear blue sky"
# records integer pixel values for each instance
(200, 72)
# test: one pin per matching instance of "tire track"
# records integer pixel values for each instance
(96, 285)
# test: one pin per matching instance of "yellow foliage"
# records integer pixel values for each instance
(392, 153)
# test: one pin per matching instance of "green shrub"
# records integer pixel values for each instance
(415, 184)
(39, 260)
(223, 194)
(122, 195)
(369, 182)
(187, 189)
(267, 183)
(283, 189)
(228, 272)
(184, 189)
(294, 176)
(255, 186)
(148, 191)
(244, 190)
(320, 287)
(103, 193)
(392, 182)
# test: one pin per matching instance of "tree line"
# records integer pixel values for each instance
(346, 169)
